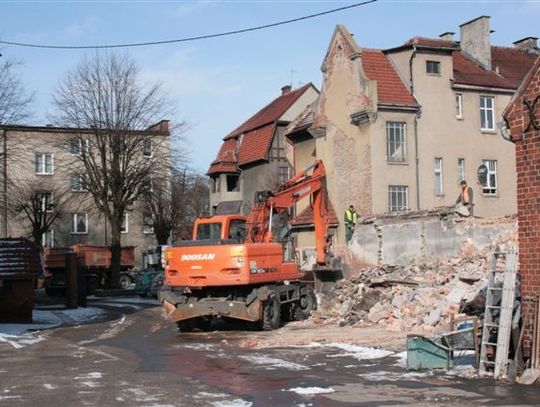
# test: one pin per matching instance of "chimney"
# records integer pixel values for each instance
(527, 44)
(475, 40)
(447, 36)
(285, 89)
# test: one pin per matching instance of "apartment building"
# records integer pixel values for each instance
(398, 129)
(44, 158)
(252, 157)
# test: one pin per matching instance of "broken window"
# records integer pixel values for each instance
(233, 183)
(490, 188)
(398, 198)
(395, 142)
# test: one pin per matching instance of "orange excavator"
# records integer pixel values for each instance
(234, 269)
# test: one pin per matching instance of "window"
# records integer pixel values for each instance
(459, 108)
(76, 182)
(233, 183)
(398, 198)
(147, 148)
(283, 175)
(215, 184)
(209, 231)
(461, 169)
(238, 230)
(47, 202)
(148, 224)
(395, 142)
(124, 228)
(44, 164)
(78, 146)
(491, 183)
(487, 120)
(438, 176)
(79, 223)
(433, 67)
(47, 238)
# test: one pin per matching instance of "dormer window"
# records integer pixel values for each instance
(433, 67)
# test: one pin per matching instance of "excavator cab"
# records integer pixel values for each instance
(223, 228)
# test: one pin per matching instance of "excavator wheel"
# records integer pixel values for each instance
(306, 303)
(271, 313)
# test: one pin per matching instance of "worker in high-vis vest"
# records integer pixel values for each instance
(465, 197)
(351, 218)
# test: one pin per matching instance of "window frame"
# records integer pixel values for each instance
(44, 207)
(484, 111)
(80, 182)
(459, 105)
(144, 149)
(147, 226)
(461, 169)
(491, 190)
(284, 174)
(438, 171)
(401, 128)
(125, 222)
(237, 185)
(44, 238)
(42, 170)
(432, 63)
(393, 189)
(82, 146)
(74, 223)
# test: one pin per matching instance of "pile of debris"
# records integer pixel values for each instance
(420, 297)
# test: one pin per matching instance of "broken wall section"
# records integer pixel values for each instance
(399, 239)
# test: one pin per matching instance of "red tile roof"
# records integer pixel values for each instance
(390, 88)
(305, 218)
(513, 64)
(255, 144)
(226, 160)
(271, 112)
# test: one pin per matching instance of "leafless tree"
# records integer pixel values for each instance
(37, 205)
(14, 100)
(122, 153)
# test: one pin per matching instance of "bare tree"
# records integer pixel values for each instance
(14, 100)
(37, 205)
(121, 153)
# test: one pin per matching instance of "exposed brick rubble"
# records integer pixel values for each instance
(418, 297)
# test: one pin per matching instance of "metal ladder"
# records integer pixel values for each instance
(503, 324)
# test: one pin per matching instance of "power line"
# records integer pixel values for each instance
(200, 37)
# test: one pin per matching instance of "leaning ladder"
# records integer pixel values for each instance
(502, 324)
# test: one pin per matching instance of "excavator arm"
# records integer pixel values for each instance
(310, 182)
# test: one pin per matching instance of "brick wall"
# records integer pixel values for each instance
(523, 120)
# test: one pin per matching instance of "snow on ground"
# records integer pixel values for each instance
(20, 341)
(401, 359)
(308, 391)
(358, 352)
(232, 403)
(382, 376)
(197, 346)
(272, 363)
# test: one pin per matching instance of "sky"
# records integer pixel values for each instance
(216, 84)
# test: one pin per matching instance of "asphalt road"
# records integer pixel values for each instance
(138, 359)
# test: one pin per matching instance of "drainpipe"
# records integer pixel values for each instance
(416, 158)
(4, 192)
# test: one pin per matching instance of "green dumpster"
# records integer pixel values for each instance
(425, 353)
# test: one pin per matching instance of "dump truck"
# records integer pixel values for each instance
(234, 269)
(93, 260)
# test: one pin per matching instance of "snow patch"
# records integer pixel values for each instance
(232, 403)
(401, 359)
(308, 391)
(91, 375)
(357, 352)
(49, 386)
(20, 341)
(203, 395)
(273, 363)
(382, 376)
(198, 346)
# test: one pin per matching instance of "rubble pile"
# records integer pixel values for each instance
(418, 297)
